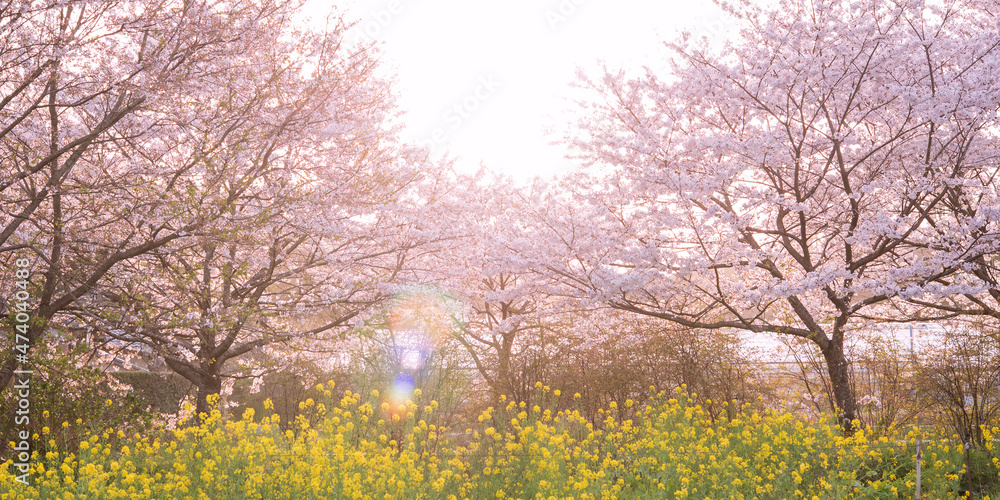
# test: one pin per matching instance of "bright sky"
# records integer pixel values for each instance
(484, 80)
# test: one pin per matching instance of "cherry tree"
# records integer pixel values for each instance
(98, 105)
(300, 184)
(252, 186)
(513, 322)
(793, 181)
(503, 308)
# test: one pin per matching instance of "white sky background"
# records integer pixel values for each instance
(483, 80)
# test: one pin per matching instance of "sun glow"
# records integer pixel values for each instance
(472, 90)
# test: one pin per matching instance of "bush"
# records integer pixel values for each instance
(70, 391)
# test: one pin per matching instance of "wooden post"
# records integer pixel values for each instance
(968, 468)
(917, 496)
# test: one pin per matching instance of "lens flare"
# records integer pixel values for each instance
(420, 320)
(402, 387)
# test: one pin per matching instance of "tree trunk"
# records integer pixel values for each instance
(505, 379)
(840, 381)
(7, 371)
(210, 384)
(10, 361)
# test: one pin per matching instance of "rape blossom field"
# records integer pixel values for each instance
(366, 446)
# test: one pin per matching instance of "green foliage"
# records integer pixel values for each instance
(161, 392)
(63, 388)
